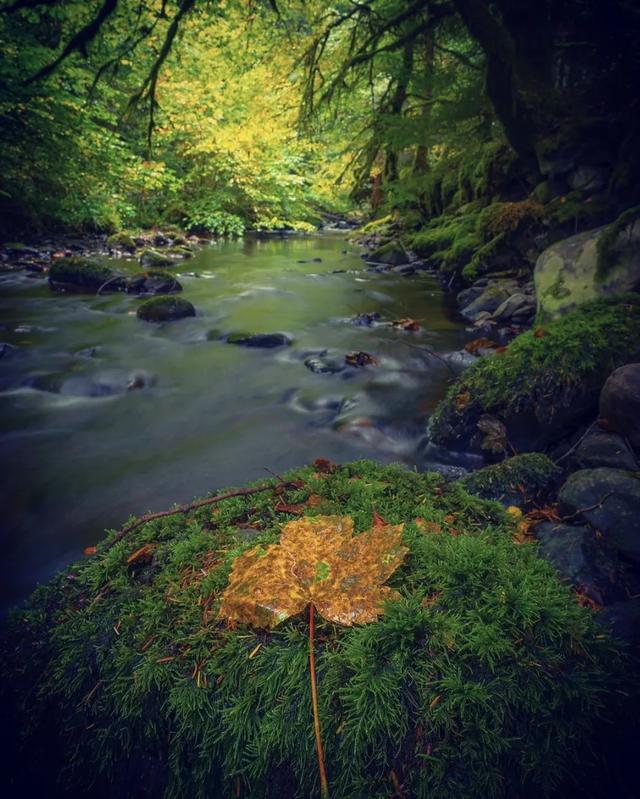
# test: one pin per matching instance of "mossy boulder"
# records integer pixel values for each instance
(165, 309)
(121, 241)
(392, 254)
(84, 275)
(523, 480)
(123, 682)
(259, 340)
(569, 272)
(154, 258)
(544, 385)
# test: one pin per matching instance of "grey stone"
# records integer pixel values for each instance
(489, 301)
(574, 553)
(515, 305)
(620, 402)
(601, 448)
(609, 499)
(259, 340)
(165, 309)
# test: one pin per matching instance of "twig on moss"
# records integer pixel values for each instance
(241, 492)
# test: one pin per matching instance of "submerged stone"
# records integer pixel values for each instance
(259, 340)
(165, 309)
(78, 274)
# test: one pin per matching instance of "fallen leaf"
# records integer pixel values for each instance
(428, 528)
(90, 550)
(324, 466)
(360, 358)
(514, 511)
(481, 343)
(317, 561)
(495, 439)
(411, 325)
(313, 501)
(378, 521)
(539, 332)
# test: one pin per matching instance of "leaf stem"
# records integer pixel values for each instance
(324, 785)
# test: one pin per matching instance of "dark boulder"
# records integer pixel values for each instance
(601, 448)
(321, 365)
(165, 309)
(609, 499)
(84, 275)
(574, 552)
(259, 340)
(390, 254)
(153, 282)
(620, 402)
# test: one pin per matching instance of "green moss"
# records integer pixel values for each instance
(540, 373)
(484, 680)
(607, 255)
(507, 217)
(528, 475)
(123, 240)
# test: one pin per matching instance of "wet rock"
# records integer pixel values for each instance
(488, 301)
(180, 252)
(139, 380)
(403, 269)
(161, 240)
(78, 274)
(622, 619)
(121, 241)
(16, 249)
(310, 261)
(259, 340)
(620, 402)
(322, 365)
(516, 306)
(459, 360)
(575, 554)
(153, 282)
(165, 309)
(601, 448)
(609, 499)
(154, 258)
(366, 319)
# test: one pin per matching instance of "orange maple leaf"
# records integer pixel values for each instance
(320, 562)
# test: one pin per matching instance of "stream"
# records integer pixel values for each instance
(80, 451)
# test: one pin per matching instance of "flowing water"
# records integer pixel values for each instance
(80, 452)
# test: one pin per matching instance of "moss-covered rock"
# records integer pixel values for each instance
(83, 275)
(121, 241)
(391, 253)
(165, 309)
(522, 480)
(545, 384)
(154, 258)
(570, 272)
(485, 679)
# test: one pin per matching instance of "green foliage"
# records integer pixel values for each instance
(541, 372)
(219, 223)
(484, 680)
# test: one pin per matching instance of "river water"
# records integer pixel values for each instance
(80, 452)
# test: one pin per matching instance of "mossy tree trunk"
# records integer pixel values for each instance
(563, 78)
